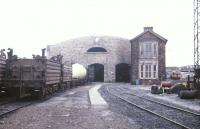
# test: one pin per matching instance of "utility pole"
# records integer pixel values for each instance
(196, 33)
(196, 43)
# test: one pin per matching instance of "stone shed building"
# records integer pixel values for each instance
(115, 59)
(148, 57)
(109, 58)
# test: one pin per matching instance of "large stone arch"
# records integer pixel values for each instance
(96, 72)
(79, 70)
(122, 72)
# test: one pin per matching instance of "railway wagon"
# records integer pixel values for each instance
(66, 76)
(38, 76)
(2, 69)
(78, 81)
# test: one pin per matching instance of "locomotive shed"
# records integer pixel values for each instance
(73, 109)
(116, 59)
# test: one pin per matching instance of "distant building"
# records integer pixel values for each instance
(170, 70)
(148, 57)
(183, 70)
(188, 68)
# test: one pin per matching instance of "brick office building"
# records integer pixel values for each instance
(148, 57)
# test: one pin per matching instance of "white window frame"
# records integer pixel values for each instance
(148, 70)
(149, 49)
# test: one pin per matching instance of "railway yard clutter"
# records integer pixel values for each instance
(128, 107)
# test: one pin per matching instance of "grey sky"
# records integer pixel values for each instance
(29, 25)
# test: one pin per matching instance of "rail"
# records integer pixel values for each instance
(149, 111)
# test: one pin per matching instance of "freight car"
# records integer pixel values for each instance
(38, 76)
(66, 76)
(2, 68)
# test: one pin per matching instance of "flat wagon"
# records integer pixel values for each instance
(38, 76)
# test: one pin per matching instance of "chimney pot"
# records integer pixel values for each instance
(148, 28)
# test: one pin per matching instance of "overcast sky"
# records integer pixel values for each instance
(29, 25)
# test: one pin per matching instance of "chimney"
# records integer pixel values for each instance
(148, 28)
(43, 52)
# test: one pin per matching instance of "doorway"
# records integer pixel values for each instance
(122, 72)
(96, 72)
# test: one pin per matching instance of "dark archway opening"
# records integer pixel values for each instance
(96, 49)
(122, 72)
(96, 72)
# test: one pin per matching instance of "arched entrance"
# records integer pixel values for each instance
(122, 72)
(78, 71)
(96, 72)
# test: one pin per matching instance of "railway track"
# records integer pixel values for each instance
(158, 102)
(180, 117)
(13, 105)
(9, 100)
(10, 107)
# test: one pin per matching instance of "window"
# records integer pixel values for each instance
(141, 50)
(148, 49)
(141, 71)
(96, 49)
(155, 50)
(148, 71)
(154, 71)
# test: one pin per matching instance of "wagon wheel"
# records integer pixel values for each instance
(65, 86)
(42, 93)
(53, 90)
